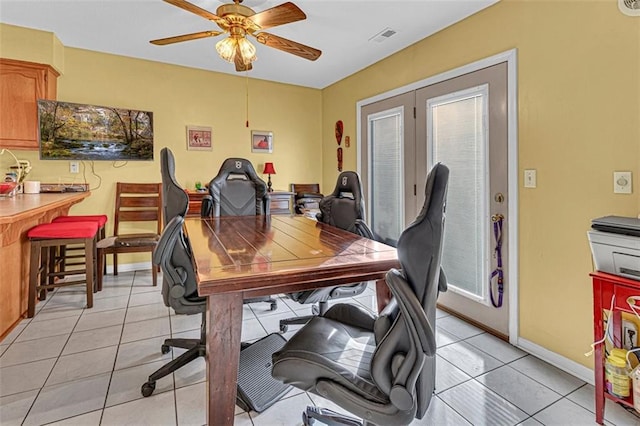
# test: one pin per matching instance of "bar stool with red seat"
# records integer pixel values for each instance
(44, 240)
(64, 255)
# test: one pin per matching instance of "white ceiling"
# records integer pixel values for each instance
(340, 29)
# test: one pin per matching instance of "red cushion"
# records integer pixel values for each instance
(100, 218)
(64, 230)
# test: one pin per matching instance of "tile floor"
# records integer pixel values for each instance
(75, 366)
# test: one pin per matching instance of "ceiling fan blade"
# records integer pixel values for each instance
(278, 15)
(185, 37)
(183, 4)
(289, 46)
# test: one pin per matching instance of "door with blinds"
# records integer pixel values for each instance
(461, 122)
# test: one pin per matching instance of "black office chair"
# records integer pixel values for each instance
(179, 285)
(343, 208)
(380, 368)
(238, 191)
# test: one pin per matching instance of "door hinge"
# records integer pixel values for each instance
(415, 189)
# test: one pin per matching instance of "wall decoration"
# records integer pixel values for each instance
(261, 141)
(199, 138)
(339, 129)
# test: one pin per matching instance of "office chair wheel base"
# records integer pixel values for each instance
(148, 388)
(284, 328)
(307, 421)
(165, 349)
(274, 306)
(315, 310)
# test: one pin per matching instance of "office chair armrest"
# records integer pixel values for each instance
(363, 229)
(351, 315)
(413, 312)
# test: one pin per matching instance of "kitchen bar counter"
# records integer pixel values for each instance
(17, 215)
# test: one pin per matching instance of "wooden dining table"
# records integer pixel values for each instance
(242, 257)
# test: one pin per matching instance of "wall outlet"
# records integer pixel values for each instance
(622, 182)
(74, 167)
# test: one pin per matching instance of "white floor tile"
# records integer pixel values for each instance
(180, 323)
(191, 403)
(550, 376)
(481, 406)
(83, 364)
(39, 330)
(286, 412)
(93, 339)
(468, 358)
(109, 303)
(17, 330)
(522, 391)
(69, 399)
(614, 413)
(251, 330)
(3, 349)
(126, 384)
(33, 350)
(55, 312)
(448, 375)
(271, 323)
(495, 347)
(141, 352)
(440, 414)
(156, 410)
(458, 327)
(14, 408)
(192, 373)
(141, 330)
(24, 377)
(147, 298)
(146, 312)
(91, 320)
(89, 419)
(444, 338)
(565, 413)
(112, 291)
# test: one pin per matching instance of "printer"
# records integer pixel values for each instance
(615, 245)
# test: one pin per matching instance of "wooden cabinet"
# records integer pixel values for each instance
(195, 202)
(21, 85)
(281, 202)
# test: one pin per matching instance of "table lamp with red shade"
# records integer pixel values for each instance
(269, 170)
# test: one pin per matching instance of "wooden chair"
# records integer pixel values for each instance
(307, 196)
(135, 202)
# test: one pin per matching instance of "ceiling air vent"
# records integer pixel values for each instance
(629, 7)
(383, 35)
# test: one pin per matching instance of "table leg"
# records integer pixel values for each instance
(383, 294)
(224, 326)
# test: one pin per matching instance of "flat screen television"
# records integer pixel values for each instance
(70, 131)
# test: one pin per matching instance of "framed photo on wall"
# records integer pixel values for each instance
(199, 138)
(261, 141)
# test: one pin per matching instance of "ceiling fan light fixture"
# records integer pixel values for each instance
(247, 51)
(227, 48)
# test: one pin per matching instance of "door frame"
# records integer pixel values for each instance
(510, 57)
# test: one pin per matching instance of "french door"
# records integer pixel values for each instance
(461, 122)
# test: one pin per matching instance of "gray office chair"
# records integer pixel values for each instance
(179, 285)
(238, 191)
(380, 368)
(343, 208)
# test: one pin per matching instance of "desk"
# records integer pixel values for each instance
(242, 257)
(17, 215)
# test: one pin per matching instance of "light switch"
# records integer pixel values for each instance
(530, 178)
(622, 182)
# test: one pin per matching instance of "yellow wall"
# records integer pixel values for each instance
(579, 120)
(178, 96)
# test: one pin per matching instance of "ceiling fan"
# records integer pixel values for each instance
(237, 21)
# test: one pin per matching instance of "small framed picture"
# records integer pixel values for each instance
(199, 138)
(261, 141)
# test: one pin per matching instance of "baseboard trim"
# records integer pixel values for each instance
(575, 369)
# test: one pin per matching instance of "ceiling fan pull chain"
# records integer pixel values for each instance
(247, 74)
